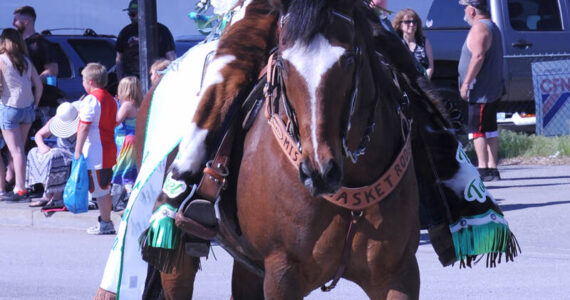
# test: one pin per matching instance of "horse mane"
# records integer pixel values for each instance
(308, 17)
(419, 88)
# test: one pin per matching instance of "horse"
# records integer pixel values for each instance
(335, 97)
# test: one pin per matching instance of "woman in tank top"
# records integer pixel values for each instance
(408, 25)
(20, 91)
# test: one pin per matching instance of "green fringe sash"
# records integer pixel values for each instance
(481, 234)
(162, 232)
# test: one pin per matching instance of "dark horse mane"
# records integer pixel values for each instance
(309, 18)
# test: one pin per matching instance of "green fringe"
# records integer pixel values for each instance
(490, 238)
(162, 232)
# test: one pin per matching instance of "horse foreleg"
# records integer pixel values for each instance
(403, 284)
(246, 285)
(281, 281)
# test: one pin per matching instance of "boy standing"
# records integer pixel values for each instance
(96, 141)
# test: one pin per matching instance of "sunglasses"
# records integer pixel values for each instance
(408, 22)
(132, 13)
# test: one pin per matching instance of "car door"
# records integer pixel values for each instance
(533, 30)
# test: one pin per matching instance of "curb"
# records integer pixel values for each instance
(19, 214)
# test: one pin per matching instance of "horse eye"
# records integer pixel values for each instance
(347, 61)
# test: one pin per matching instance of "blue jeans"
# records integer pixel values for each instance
(12, 117)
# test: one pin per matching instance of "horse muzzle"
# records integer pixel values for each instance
(319, 183)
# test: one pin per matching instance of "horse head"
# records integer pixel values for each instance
(322, 71)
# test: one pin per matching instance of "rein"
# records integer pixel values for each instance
(354, 199)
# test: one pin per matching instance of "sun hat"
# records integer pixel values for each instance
(64, 123)
(133, 6)
(480, 4)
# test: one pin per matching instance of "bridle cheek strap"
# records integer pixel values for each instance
(355, 199)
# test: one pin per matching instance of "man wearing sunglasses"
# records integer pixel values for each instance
(481, 84)
(127, 46)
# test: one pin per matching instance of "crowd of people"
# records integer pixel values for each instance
(99, 126)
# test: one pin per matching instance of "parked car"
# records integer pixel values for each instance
(74, 52)
(532, 30)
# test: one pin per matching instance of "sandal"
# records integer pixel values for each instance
(38, 202)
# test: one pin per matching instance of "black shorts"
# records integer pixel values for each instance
(100, 185)
(482, 120)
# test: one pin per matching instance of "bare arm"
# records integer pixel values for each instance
(42, 134)
(478, 41)
(170, 55)
(38, 86)
(50, 69)
(119, 65)
(429, 54)
(82, 132)
(127, 110)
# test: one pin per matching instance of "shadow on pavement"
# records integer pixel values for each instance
(496, 187)
(536, 178)
(508, 207)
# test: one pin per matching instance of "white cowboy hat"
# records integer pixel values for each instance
(64, 123)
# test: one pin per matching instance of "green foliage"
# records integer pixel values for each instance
(514, 144)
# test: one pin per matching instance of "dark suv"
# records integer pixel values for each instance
(74, 52)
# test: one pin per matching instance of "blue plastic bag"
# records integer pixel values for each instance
(76, 192)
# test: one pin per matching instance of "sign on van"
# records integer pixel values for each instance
(551, 81)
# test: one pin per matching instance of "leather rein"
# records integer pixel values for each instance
(352, 198)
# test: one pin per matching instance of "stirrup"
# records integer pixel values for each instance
(197, 218)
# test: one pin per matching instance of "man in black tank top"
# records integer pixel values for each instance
(481, 84)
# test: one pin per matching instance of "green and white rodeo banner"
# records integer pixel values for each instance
(173, 105)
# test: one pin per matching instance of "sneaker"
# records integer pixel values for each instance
(16, 196)
(489, 174)
(494, 173)
(102, 227)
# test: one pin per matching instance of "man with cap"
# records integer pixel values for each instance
(127, 45)
(481, 84)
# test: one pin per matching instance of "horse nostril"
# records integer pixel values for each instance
(304, 172)
(332, 174)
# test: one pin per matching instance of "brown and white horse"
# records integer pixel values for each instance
(331, 78)
(336, 97)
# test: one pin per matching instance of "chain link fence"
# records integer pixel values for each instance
(551, 93)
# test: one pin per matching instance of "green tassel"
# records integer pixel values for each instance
(162, 232)
(481, 234)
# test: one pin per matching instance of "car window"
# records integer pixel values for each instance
(534, 15)
(64, 69)
(90, 50)
(446, 14)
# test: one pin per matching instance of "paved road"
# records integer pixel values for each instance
(39, 262)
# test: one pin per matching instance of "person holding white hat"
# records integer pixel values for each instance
(50, 166)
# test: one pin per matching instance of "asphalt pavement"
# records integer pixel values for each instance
(535, 199)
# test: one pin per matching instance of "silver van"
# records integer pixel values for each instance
(533, 30)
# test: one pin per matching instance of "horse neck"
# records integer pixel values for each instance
(386, 142)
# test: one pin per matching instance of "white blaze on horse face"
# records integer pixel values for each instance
(191, 151)
(213, 74)
(312, 62)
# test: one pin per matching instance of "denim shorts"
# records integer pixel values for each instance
(12, 117)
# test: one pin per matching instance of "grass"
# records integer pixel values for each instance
(521, 145)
